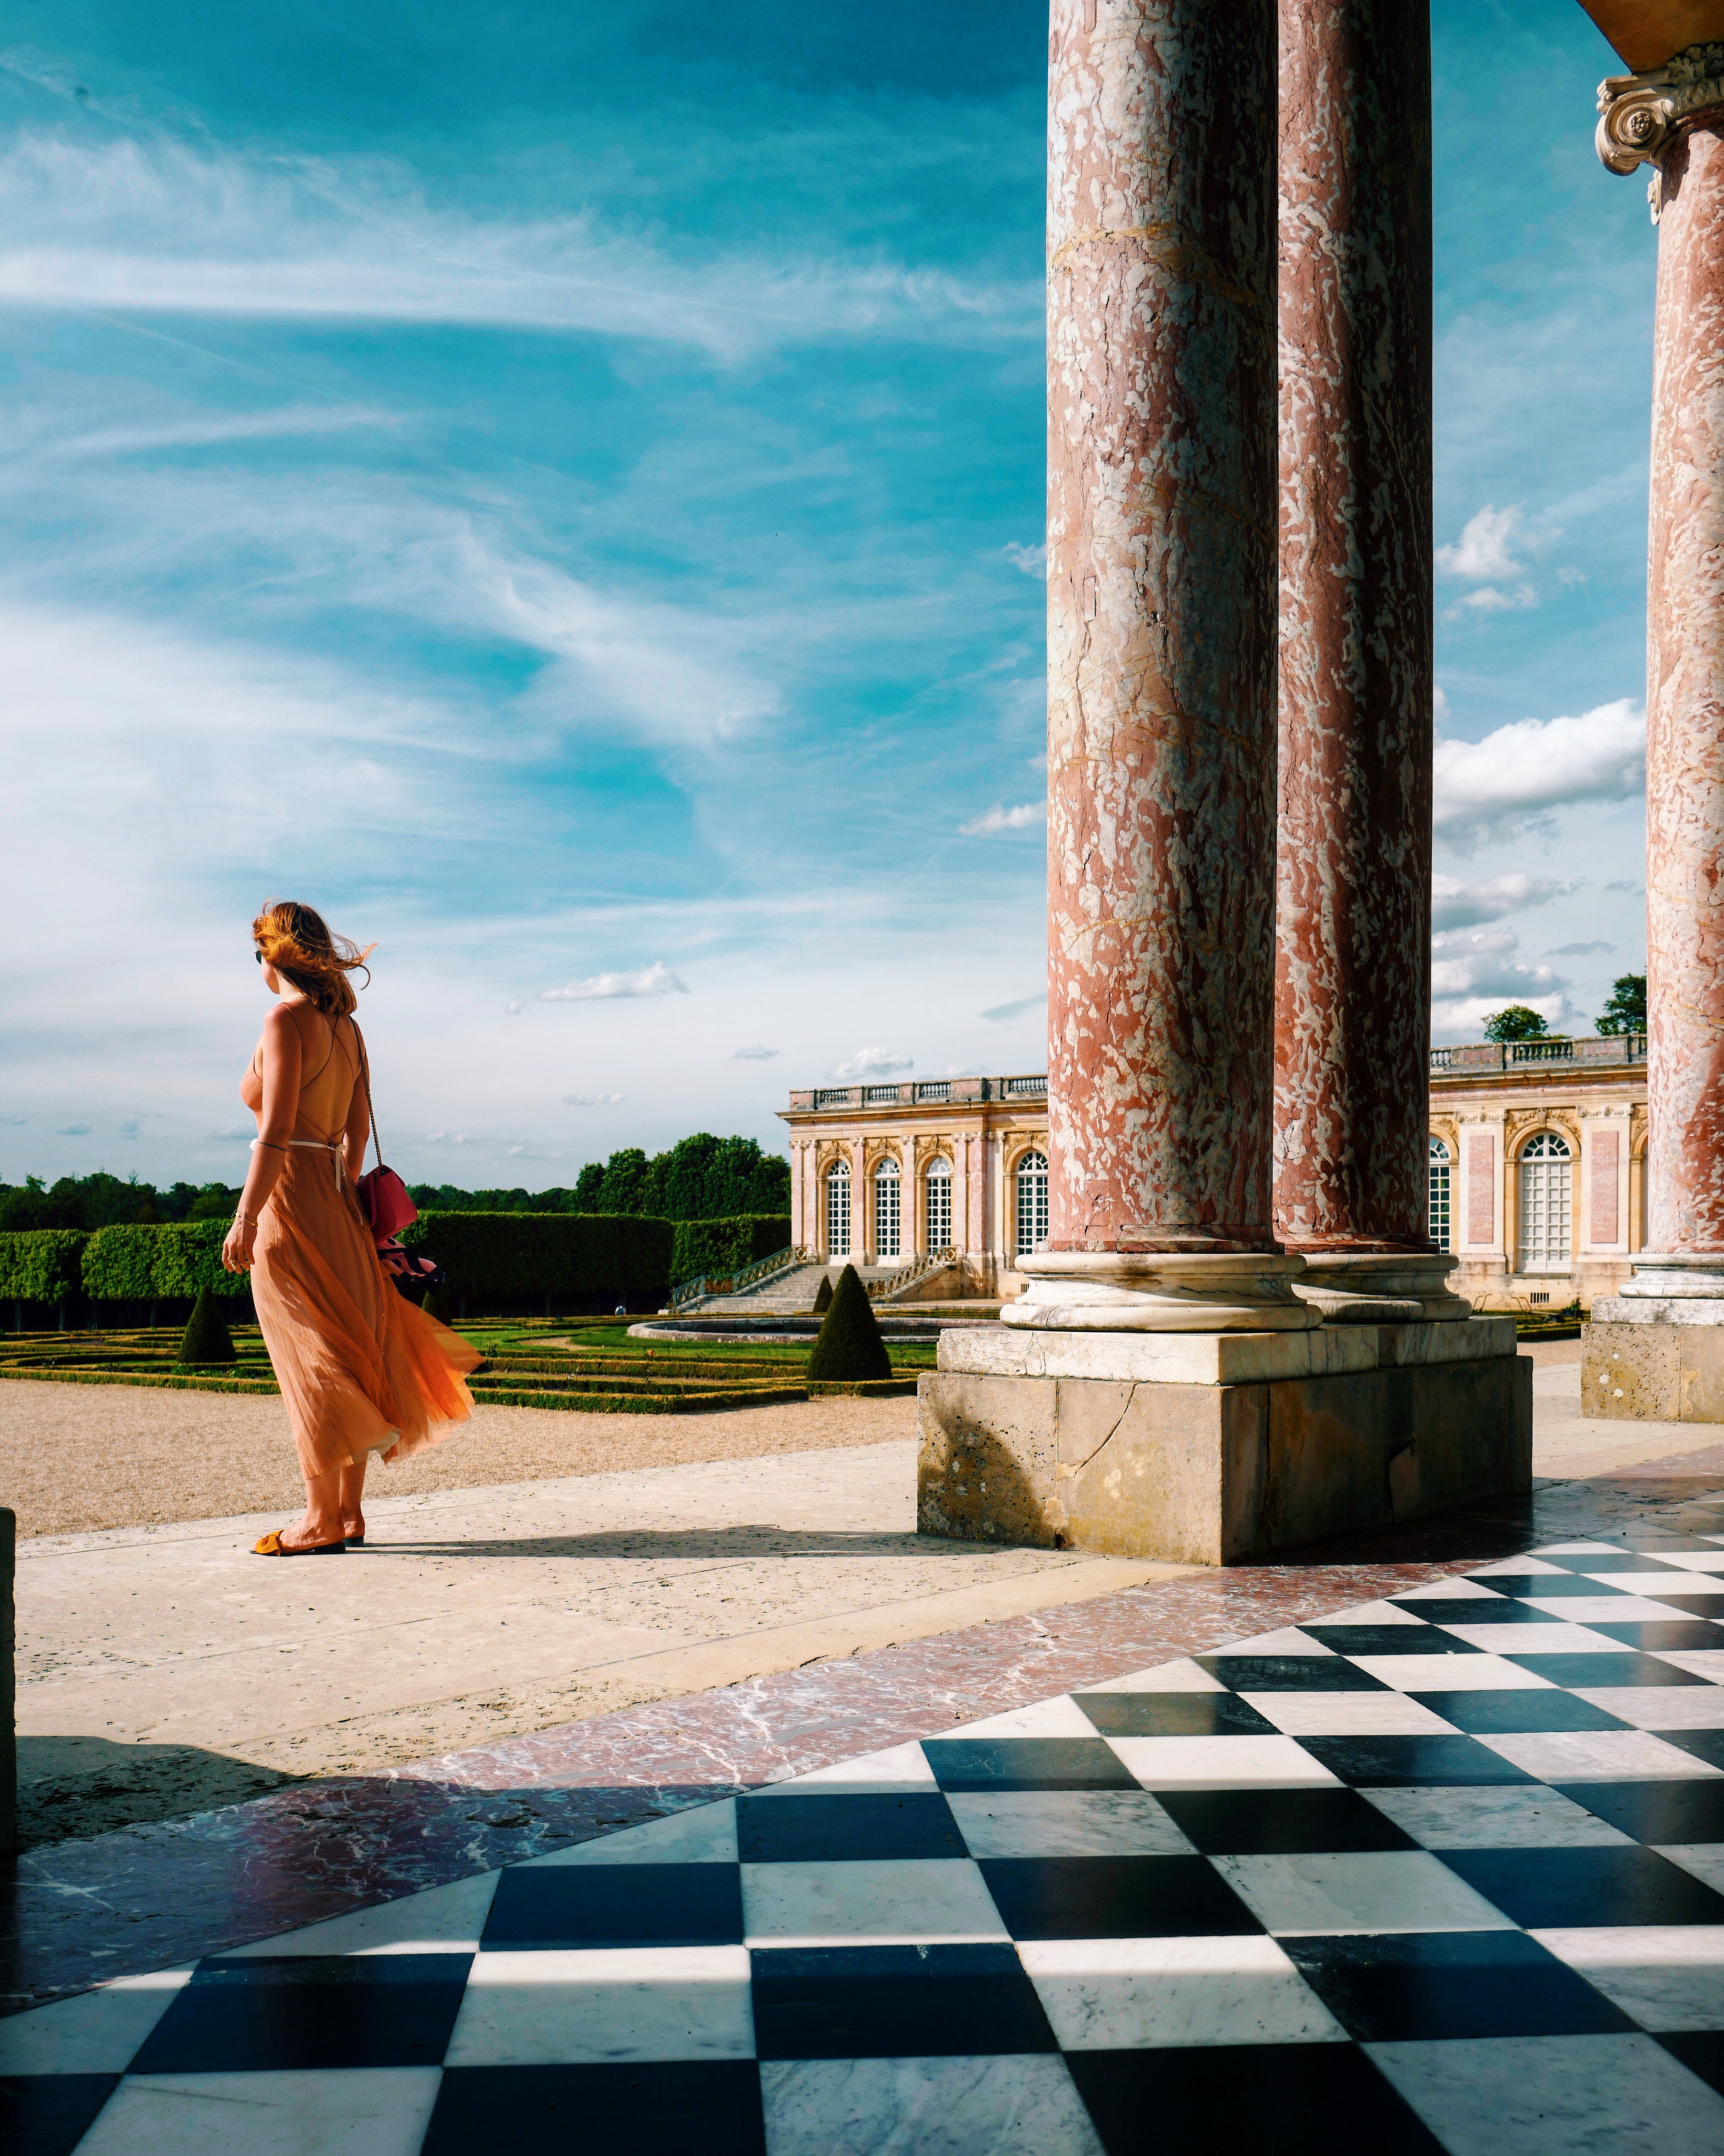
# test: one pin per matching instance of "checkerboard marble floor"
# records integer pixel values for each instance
(1442, 1872)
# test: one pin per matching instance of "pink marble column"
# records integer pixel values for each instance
(1353, 872)
(1160, 668)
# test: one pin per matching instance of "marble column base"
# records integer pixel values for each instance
(1667, 1287)
(1381, 1287)
(1639, 1365)
(1215, 1452)
(1161, 1291)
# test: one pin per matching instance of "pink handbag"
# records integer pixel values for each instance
(382, 1196)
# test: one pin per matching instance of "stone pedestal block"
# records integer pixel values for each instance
(1203, 1470)
(9, 1686)
(1657, 1372)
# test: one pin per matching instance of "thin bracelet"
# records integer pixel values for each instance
(250, 1217)
(266, 1145)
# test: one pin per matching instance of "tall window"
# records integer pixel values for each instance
(887, 1184)
(838, 1209)
(1441, 1173)
(1546, 1193)
(939, 1186)
(1032, 1181)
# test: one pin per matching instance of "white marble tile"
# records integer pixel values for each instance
(1048, 1717)
(1659, 1706)
(1511, 1565)
(1221, 1763)
(1656, 1583)
(1664, 1976)
(1183, 1675)
(1375, 1890)
(1551, 1639)
(1576, 1549)
(1350, 1714)
(442, 1920)
(372, 2111)
(1136, 1994)
(96, 2033)
(1694, 1560)
(1484, 1672)
(1599, 1755)
(1019, 2104)
(704, 1834)
(1452, 1589)
(1707, 1662)
(879, 1901)
(1064, 1823)
(1288, 1640)
(1368, 1613)
(1509, 1815)
(903, 1767)
(1556, 2095)
(586, 2007)
(1600, 1609)
(1705, 1859)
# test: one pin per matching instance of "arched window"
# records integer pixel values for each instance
(838, 1209)
(1441, 1173)
(1032, 1182)
(938, 1181)
(887, 1184)
(1546, 1204)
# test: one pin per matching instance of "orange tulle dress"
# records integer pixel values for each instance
(360, 1368)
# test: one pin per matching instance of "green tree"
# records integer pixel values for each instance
(1626, 1010)
(589, 1183)
(849, 1347)
(623, 1189)
(1517, 1022)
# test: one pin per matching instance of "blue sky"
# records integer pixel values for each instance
(562, 491)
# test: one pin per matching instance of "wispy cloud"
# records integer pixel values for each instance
(759, 1053)
(1000, 1012)
(999, 818)
(211, 431)
(874, 1063)
(1457, 904)
(655, 980)
(1032, 561)
(1511, 781)
(73, 1131)
(1580, 950)
(591, 1099)
(1470, 962)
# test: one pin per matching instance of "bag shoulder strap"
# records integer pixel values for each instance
(365, 1073)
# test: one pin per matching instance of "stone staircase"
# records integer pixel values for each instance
(788, 1294)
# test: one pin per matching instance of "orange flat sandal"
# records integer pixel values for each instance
(272, 1545)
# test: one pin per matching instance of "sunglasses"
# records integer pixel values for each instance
(259, 956)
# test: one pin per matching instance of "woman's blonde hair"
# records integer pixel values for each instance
(295, 940)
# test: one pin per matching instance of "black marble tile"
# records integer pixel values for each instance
(1586, 1672)
(1656, 1811)
(1591, 1562)
(1025, 1763)
(1387, 1640)
(1279, 1822)
(1550, 1586)
(893, 2002)
(1560, 1889)
(1697, 1603)
(1247, 2100)
(1708, 1744)
(1174, 1714)
(1113, 1897)
(807, 1830)
(48, 2114)
(310, 2010)
(1660, 1637)
(1386, 1987)
(1504, 1713)
(1289, 1673)
(1496, 1611)
(665, 2107)
(616, 1905)
(1392, 1763)
(1701, 2051)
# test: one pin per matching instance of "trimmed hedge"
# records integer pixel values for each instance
(724, 1246)
(41, 1265)
(140, 1263)
(566, 1253)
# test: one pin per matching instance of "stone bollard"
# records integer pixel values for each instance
(9, 1678)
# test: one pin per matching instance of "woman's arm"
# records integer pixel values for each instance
(282, 1064)
(356, 1134)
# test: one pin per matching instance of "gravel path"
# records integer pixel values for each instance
(78, 1457)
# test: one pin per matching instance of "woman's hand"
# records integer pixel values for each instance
(237, 1251)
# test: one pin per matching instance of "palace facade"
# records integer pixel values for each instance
(1536, 1184)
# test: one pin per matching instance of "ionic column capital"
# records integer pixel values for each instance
(1639, 113)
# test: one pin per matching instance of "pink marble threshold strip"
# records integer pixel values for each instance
(80, 1912)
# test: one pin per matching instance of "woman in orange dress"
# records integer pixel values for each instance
(360, 1368)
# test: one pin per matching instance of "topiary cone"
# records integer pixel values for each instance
(849, 1348)
(206, 1339)
(823, 1296)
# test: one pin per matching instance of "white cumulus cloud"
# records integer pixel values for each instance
(874, 1063)
(656, 980)
(590, 1099)
(1002, 819)
(1032, 560)
(1510, 782)
(758, 1052)
(1485, 553)
(1468, 962)
(1457, 904)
